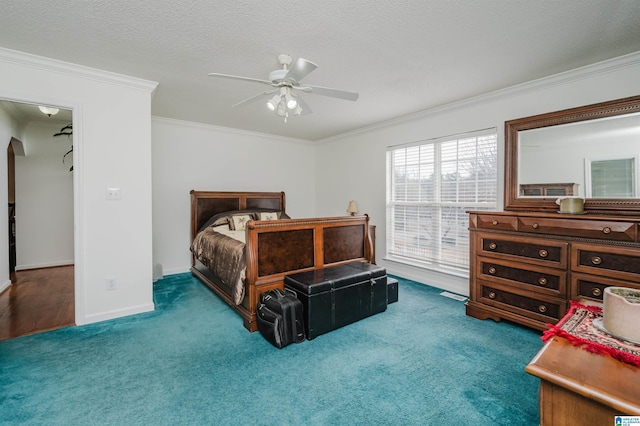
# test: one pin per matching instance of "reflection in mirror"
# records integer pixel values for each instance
(592, 159)
(612, 178)
(591, 152)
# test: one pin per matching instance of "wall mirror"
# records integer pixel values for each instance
(591, 152)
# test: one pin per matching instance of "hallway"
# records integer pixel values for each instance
(39, 300)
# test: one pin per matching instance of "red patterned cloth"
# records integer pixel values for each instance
(577, 327)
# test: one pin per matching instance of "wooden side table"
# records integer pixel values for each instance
(581, 388)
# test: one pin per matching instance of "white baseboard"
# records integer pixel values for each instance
(5, 285)
(44, 265)
(175, 271)
(118, 313)
(451, 283)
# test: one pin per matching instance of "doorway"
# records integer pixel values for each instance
(41, 224)
(11, 195)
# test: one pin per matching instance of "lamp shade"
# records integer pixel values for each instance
(353, 208)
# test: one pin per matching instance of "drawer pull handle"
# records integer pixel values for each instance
(606, 230)
(492, 246)
(492, 270)
(596, 292)
(543, 253)
(535, 226)
(596, 260)
(542, 309)
(543, 281)
(492, 295)
(494, 223)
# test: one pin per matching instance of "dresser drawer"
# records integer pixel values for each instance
(526, 267)
(531, 250)
(598, 229)
(503, 223)
(535, 278)
(610, 261)
(592, 286)
(535, 306)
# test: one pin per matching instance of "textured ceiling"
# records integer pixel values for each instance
(401, 56)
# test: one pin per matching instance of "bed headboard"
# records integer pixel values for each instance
(205, 204)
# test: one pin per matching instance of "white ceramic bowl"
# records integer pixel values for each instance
(621, 312)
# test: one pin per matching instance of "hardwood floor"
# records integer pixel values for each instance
(39, 300)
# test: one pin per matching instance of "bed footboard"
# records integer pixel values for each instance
(278, 248)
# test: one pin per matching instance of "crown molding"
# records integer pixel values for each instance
(11, 110)
(74, 70)
(587, 71)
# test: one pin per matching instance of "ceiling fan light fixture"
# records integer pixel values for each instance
(48, 110)
(297, 111)
(273, 103)
(292, 103)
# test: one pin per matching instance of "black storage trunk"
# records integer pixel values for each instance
(339, 295)
(392, 290)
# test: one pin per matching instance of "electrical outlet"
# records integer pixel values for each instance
(113, 194)
(111, 284)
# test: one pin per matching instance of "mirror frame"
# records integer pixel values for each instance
(512, 200)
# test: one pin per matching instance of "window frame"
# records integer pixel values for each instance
(634, 179)
(438, 208)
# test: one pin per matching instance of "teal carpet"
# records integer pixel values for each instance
(422, 362)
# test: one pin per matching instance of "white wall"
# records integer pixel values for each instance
(112, 238)
(190, 156)
(44, 199)
(352, 166)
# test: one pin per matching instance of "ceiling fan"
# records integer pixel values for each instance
(286, 83)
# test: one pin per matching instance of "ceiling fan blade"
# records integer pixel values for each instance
(334, 93)
(237, 77)
(254, 98)
(299, 70)
(305, 108)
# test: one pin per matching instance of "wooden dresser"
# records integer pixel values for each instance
(526, 266)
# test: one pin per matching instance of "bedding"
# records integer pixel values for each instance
(236, 235)
(220, 246)
(256, 214)
(239, 222)
(268, 216)
(224, 255)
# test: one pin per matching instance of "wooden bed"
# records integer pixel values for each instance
(278, 247)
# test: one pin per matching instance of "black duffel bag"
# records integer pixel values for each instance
(280, 317)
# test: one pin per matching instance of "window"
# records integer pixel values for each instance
(611, 178)
(430, 186)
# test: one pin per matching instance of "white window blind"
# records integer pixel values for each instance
(430, 186)
(612, 178)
